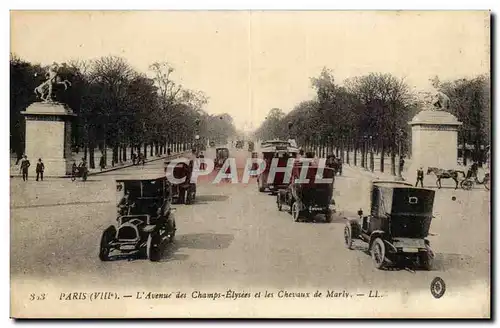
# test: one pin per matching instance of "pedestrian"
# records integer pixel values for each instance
(40, 167)
(420, 177)
(401, 165)
(25, 164)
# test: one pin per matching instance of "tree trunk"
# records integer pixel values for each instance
(125, 153)
(382, 158)
(363, 153)
(151, 149)
(393, 161)
(355, 155)
(131, 151)
(115, 154)
(85, 150)
(91, 157)
(145, 150)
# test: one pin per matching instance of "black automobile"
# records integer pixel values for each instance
(306, 199)
(145, 220)
(398, 225)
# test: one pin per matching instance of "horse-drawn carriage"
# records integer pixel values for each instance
(467, 181)
(144, 222)
(308, 197)
(398, 225)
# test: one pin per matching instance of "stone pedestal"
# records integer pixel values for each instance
(434, 140)
(48, 136)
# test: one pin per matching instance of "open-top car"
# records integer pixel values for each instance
(185, 191)
(145, 220)
(398, 225)
(221, 155)
(282, 151)
(306, 198)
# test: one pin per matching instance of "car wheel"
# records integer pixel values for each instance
(279, 203)
(427, 259)
(328, 216)
(261, 187)
(153, 247)
(295, 212)
(348, 236)
(378, 252)
(107, 237)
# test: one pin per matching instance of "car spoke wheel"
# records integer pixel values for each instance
(378, 253)
(348, 236)
(295, 212)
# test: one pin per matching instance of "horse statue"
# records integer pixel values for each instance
(440, 101)
(45, 90)
(445, 174)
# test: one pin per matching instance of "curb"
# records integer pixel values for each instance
(105, 170)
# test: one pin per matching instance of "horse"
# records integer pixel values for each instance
(445, 174)
(44, 90)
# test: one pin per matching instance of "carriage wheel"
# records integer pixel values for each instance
(295, 212)
(378, 253)
(348, 236)
(466, 184)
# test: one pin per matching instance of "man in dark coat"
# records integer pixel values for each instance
(40, 167)
(420, 177)
(25, 164)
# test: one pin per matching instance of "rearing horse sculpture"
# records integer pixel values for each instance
(45, 90)
(445, 174)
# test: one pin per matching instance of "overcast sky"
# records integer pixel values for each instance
(250, 62)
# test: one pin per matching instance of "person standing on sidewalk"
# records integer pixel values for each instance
(40, 167)
(25, 164)
(401, 165)
(420, 177)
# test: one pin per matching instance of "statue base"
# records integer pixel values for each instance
(48, 136)
(434, 140)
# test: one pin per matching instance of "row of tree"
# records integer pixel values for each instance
(372, 112)
(120, 108)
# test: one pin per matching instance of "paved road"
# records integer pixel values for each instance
(233, 236)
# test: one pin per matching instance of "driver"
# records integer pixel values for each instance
(125, 204)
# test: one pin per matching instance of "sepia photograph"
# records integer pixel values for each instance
(250, 164)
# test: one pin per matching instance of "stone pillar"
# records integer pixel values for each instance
(48, 136)
(434, 141)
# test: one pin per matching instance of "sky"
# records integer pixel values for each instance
(248, 62)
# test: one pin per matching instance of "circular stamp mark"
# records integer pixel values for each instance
(438, 287)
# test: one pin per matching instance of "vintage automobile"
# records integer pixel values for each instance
(221, 154)
(184, 192)
(145, 220)
(283, 151)
(240, 144)
(307, 199)
(212, 144)
(398, 225)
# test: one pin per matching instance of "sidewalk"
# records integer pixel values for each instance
(14, 169)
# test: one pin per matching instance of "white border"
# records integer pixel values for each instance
(184, 5)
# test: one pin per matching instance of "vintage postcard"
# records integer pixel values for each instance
(250, 164)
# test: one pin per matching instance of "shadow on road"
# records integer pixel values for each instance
(208, 241)
(446, 261)
(59, 204)
(211, 198)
